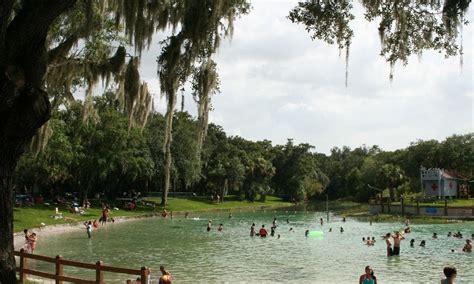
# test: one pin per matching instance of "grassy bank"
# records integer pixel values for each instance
(32, 217)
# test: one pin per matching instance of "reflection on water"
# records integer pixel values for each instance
(191, 254)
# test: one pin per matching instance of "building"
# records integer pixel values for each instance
(438, 183)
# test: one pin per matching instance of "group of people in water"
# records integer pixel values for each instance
(104, 218)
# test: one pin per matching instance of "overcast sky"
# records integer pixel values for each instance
(277, 84)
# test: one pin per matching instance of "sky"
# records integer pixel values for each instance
(276, 84)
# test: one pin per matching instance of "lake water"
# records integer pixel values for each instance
(193, 255)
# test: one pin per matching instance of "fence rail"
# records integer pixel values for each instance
(59, 277)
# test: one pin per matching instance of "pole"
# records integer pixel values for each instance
(327, 209)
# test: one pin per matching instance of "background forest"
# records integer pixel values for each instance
(108, 157)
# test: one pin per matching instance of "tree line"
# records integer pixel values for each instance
(107, 157)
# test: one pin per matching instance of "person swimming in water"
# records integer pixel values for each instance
(423, 243)
(368, 277)
(252, 230)
(209, 226)
(435, 236)
(221, 228)
(396, 243)
(467, 247)
(412, 242)
(306, 233)
(272, 231)
(321, 221)
(342, 230)
(450, 273)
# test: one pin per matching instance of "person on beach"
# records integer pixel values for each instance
(396, 243)
(252, 230)
(209, 225)
(88, 225)
(263, 232)
(166, 276)
(450, 273)
(389, 244)
(467, 247)
(368, 277)
(221, 228)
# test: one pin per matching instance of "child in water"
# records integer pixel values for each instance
(221, 228)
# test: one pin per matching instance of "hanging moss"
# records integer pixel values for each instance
(131, 84)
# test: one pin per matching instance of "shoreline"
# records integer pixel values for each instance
(18, 237)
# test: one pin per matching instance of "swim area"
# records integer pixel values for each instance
(193, 255)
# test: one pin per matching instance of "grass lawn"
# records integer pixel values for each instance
(32, 217)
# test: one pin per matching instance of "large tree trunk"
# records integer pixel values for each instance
(24, 107)
(167, 145)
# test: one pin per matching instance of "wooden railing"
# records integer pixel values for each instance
(59, 277)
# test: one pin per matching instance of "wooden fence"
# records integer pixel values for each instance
(59, 277)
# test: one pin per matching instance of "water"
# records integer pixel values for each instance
(232, 256)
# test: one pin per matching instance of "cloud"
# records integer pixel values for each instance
(276, 84)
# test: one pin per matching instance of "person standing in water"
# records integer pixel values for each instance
(252, 230)
(467, 247)
(209, 226)
(88, 228)
(396, 243)
(368, 277)
(321, 221)
(389, 244)
(263, 232)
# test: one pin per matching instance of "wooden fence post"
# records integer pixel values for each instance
(23, 265)
(99, 274)
(59, 269)
(144, 275)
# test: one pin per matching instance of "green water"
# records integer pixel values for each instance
(232, 256)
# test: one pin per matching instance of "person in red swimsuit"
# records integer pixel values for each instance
(263, 232)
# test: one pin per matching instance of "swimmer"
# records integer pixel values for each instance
(449, 234)
(291, 230)
(166, 277)
(343, 219)
(342, 230)
(330, 229)
(389, 244)
(252, 230)
(396, 243)
(450, 273)
(221, 228)
(274, 223)
(288, 221)
(209, 225)
(186, 214)
(272, 231)
(321, 221)
(363, 239)
(412, 242)
(278, 236)
(306, 233)
(368, 277)
(373, 239)
(435, 236)
(263, 232)
(230, 215)
(467, 247)
(423, 243)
